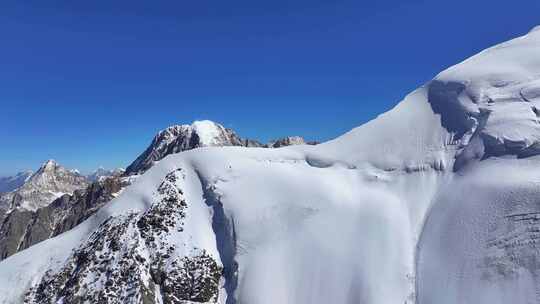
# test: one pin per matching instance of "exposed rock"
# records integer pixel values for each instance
(286, 141)
(180, 138)
(129, 259)
(23, 228)
(206, 133)
(48, 183)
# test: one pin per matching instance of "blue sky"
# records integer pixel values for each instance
(88, 83)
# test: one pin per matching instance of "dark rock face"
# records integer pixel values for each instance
(22, 228)
(130, 259)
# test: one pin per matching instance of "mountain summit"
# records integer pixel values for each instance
(179, 138)
(204, 133)
(49, 182)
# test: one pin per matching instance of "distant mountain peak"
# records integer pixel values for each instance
(178, 138)
(201, 133)
(101, 172)
(49, 165)
(287, 141)
(46, 184)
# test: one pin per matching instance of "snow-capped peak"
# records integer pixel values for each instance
(46, 184)
(49, 165)
(287, 141)
(178, 138)
(101, 172)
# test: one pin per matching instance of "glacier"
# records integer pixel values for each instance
(435, 201)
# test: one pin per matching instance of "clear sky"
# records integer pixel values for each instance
(88, 83)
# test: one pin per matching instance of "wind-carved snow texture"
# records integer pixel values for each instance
(514, 246)
(129, 259)
(435, 201)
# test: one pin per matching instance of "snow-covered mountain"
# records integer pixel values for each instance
(287, 141)
(22, 228)
(44, 186)
(10, 183)
(180, 138)
(101, 172)
(203, 133)
(435, 201)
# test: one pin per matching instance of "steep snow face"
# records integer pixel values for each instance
(480, 240)
(435, 201)
(11, 183)
(209, 133)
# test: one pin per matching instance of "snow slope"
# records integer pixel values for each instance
(435, 201)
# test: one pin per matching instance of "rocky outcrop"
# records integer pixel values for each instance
(131, 259)
(23, 228)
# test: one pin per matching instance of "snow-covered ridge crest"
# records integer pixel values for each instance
(435, 201)
(491, 100)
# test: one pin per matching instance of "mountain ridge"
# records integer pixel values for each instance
(22, 228)
(203, 133)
